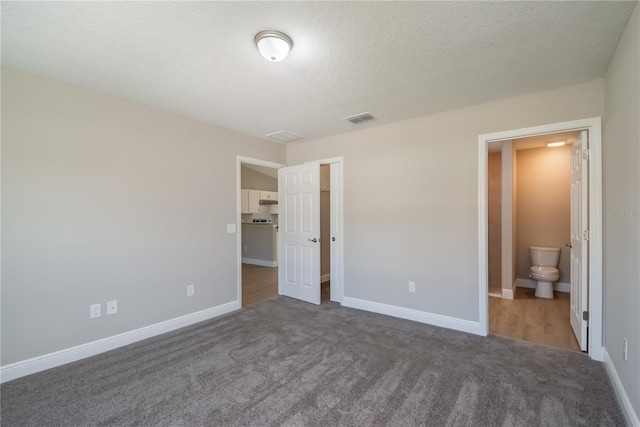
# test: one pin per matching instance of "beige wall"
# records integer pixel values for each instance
(411, 197)
(107, 199)
(622, 209)
(509, 196)
(543, 205)
(325, 219)
(254, 180)
(494, 169)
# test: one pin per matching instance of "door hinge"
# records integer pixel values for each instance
(585, 235)
(585, 154)
(585, 316)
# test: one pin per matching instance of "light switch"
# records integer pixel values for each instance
(231, 228)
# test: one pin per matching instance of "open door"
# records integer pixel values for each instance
(299, 232)
(579, 237)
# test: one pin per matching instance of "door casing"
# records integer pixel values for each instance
(242, 159)
(594, 127)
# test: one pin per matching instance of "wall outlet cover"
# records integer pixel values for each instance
(112, 307)
(191, 290)
(95, 310)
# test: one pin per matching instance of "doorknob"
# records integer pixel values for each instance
(333, 239)
(569, 245)
(314, 240)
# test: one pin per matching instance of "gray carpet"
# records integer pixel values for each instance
(285, 362)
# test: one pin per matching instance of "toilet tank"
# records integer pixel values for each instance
(544, 256)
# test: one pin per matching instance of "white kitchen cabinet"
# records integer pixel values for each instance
(250, 201)
(269, 195)
(245, 201)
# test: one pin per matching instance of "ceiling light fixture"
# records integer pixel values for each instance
(273, 45)
(555, 144)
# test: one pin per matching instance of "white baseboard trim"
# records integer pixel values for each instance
(325, 278)
(68, 355)
(508, 293)
(262, 262)
(415, 315)
(621, 394)
(558, 287)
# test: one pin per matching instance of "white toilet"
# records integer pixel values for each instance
(544, 263)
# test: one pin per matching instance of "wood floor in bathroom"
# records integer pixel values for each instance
(537, 320)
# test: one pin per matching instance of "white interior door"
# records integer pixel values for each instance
(337, 272)
(579, 236)
(299, 232)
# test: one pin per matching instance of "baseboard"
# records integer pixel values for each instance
(261, 262)
(325, 278)
(58, 358)
(621, 394)
(558, 287)
(415, 315)
(508, 293)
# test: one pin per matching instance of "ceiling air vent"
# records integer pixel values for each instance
(360, 118)
(284, 136)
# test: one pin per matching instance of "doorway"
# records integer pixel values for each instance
(593, 227)
(531, 191)
(330, 234)
(305, 233)
(257, 183)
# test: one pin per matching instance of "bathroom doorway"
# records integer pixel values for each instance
(537, 198)
(518, 222)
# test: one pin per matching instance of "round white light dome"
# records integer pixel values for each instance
(273, 45)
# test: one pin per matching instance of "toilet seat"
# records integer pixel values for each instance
(549, 274)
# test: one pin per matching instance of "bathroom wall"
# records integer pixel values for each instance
(495, 220)
(325, 220)
(543, 205)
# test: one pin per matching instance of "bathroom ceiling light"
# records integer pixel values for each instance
(273, 45)
(555, 144)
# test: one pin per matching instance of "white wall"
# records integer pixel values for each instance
(106, 199)
(410, 201)
(622, 209)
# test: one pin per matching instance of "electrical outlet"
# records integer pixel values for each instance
(95, 310)
(412, 286)
(624, 349)
(112, 307)
(191, 290)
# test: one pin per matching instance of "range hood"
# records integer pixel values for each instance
(267, 202)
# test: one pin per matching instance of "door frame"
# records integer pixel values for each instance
(594, 127)
(258, 162)
(340, 214)
(239, 161)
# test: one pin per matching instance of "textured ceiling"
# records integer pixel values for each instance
(396, 60)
